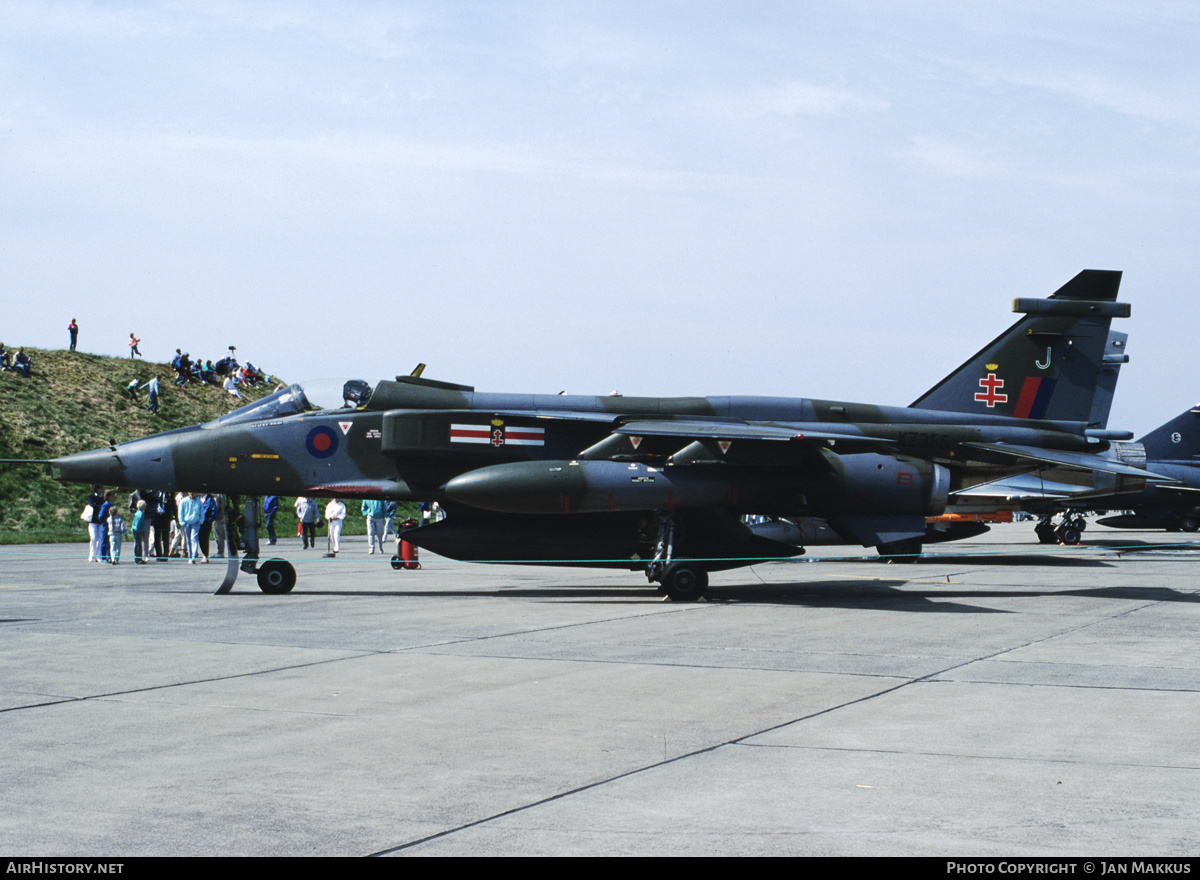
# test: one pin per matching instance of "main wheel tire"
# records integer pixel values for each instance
(1068, 535)
(1190, 523)
(684, 583)
(276, 576)
(1045, 534)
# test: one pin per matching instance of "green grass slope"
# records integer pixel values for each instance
(73, 402)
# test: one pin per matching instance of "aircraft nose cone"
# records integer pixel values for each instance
(101, 467)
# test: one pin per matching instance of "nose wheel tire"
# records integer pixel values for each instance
(276, 576)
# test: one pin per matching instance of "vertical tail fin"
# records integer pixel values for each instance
(1048, 365)
(1176, 441)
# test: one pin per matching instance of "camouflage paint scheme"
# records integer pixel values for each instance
(661, 484)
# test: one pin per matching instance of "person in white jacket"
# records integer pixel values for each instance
(335, 514)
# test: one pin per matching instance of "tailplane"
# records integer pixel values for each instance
(1057, 362)
(1176, 441)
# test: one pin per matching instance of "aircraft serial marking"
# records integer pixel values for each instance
(923, 438)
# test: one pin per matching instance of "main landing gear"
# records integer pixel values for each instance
(683, 581)
(1069, 531)
(1185, 524)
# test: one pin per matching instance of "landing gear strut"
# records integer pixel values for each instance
(274, 575)
(1045, 531)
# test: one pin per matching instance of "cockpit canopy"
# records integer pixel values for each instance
(323, 394)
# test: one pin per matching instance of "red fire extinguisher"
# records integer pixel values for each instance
(407, 557)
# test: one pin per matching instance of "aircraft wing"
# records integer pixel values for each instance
(850, 438)
(714, 429)
(1075, 461)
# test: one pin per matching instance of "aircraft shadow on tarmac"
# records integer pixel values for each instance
(867, 593)
(1017, 559)
(872, 595)
(876, 595)
(1134, 546)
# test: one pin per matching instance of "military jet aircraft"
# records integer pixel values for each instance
(1170, 452)
(658, 485)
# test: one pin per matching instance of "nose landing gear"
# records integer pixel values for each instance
(275, 576)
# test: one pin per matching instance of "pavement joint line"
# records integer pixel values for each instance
(660, 664)
(355, 656)
(655, 765)
(1083, 687)
(624, 775)
(970, 757)
(1075, 629)
(176, 684)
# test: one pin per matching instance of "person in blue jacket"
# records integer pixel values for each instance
(191, 518)
(389, 511)
(141, 530)
(309, 514)
(374, 512)
(105, 509)
(270, 508)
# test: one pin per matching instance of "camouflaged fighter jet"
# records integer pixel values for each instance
(658, 485)
(1171, 452)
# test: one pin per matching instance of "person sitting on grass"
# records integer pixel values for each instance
(22, 364)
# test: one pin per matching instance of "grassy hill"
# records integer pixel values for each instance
(77, 401)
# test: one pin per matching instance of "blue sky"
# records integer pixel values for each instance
(809, 199)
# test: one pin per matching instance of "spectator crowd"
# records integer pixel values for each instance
(224, 373)
(185, 525)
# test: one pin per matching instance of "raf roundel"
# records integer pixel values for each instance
(321, 442)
